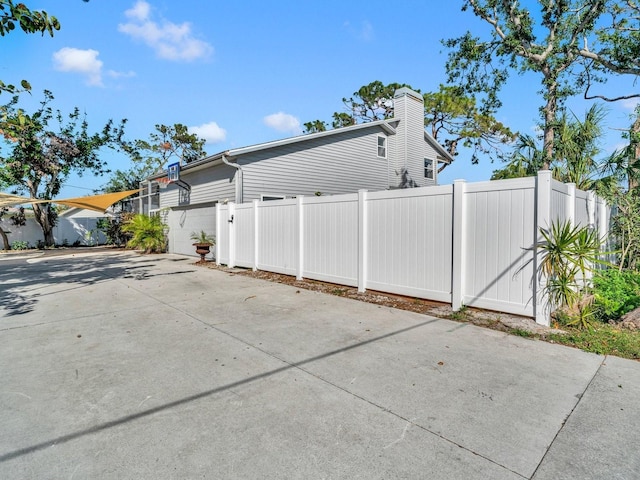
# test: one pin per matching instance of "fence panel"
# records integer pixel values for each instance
(278, 236)
(222, 235)
(243, 220)
(330, 239)
(584, 210)
(498, 254)
(409, 249)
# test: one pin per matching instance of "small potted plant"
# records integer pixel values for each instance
(203, 242)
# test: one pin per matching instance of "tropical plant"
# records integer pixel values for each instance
(147, 233)
(569, 254)
(203, 238)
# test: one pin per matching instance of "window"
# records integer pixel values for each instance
(428, 168)
(382, 147)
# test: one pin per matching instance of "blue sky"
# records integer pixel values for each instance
(245, 72)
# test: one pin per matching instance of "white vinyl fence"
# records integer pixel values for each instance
(465, 244)
(69, 231)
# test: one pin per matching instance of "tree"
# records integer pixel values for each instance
(452, 117)
(575, 155)
(620, 187)
(166, 144)
(571, 44)
(148, 157)
(45, 148)
(455, 117)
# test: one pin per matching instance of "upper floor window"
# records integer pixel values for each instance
(382, 147)
(428, 168)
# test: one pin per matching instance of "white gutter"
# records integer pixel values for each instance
(239, 178)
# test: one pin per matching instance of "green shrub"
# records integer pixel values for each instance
(19, 245)
(615, 293)
(147, 233)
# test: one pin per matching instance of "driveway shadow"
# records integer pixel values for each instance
(21, 283)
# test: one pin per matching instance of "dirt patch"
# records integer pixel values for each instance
(484, 318)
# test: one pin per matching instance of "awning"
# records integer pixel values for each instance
(98, 203)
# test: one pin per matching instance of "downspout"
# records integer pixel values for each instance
(239, 178)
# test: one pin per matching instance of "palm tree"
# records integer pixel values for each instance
(576, 147)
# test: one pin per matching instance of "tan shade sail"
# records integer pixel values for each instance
(7, 200)
(99, 203)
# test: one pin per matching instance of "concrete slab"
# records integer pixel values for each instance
(600, 438)
(150, 367)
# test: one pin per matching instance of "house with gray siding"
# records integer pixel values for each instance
(379, 155)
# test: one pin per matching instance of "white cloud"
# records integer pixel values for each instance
(84, 62)
(169, 40)
(211, 132)
(630, 103)
(363, 32)
(114, 74)
(283, 122)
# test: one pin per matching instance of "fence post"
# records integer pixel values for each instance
(542, 308)
(218, 248)
(232, 235)
(363, 225)
(459, 233)
(256, 235)
(300, 265)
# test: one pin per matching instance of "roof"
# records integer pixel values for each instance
(386, 125)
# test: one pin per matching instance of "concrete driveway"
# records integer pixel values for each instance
(118, 365)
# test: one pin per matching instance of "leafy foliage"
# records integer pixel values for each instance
(168, 143)
(30, 21)
(616, 293)
(112, 228)
(147, 233)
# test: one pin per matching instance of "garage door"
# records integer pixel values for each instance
(183, 222)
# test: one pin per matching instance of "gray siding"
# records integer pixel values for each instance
(207, 185)
(410, 147)
(342, 163)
